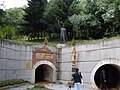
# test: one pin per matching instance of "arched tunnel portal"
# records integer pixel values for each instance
(112, 76)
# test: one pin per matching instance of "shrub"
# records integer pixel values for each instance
(11, 82)
(39, 85)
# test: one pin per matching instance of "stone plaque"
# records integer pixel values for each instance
(44, 56)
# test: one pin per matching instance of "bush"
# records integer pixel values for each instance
(39, 85)
(11, 82)
(7, 32)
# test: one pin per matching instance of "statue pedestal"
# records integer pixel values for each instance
(61, 45)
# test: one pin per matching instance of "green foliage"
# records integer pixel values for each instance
(34, 19)
(56, 14)
(10, 21)
(83, 19)
(39, 85)
(76, 7)
(2, 17)
(14, 18)
(97, 18)
(7, 32)
(11, 82)
(73, 42)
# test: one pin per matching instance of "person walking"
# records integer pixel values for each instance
(77, 79)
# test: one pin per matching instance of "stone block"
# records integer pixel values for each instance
(66, 57)
(86, 66)
(86, 77)
(65, 66)
(2, 75)
(66, 75)
(11, 74)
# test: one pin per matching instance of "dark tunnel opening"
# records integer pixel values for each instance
(43, 73)
(112, 76)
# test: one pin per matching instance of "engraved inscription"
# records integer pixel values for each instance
(44, 56)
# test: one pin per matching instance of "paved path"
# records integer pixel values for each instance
(61, 87)
(57, 87)
(50, 86)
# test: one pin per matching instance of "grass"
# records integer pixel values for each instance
(54, 42)
(34, 41)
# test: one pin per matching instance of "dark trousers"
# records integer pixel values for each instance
(103, 86)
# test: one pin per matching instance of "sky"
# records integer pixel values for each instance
(12, 3)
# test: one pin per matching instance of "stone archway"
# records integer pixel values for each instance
(43, 73)
(114, 66)
(112, 73)
(47, 64)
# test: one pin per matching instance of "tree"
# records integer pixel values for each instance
(34, 19)
(7, 32)
(112, 18)
(14, 18)
(97, 18)
(76, 7)
(57, 13)
(2, 17)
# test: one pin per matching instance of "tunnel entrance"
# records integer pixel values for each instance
(112, 76)
(43, 73)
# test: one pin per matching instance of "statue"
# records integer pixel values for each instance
(63, 34)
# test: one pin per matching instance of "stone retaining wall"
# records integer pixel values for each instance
(89, 57)
(16, 60)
